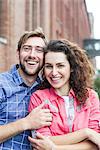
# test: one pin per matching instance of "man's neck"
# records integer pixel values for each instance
(29, 80)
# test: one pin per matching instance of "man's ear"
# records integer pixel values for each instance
(17, 53)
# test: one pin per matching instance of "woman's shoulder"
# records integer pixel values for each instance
(93, 96)
(39, 96)
(41, 93)
(92, 92)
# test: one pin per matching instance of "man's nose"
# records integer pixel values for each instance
(33, 52)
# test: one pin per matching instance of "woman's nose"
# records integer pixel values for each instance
(54, 70)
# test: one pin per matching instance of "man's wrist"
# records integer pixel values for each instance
(24, 124)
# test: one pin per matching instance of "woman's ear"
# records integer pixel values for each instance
(43, 74)
(71, 70)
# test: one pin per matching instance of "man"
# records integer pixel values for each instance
(16, 87)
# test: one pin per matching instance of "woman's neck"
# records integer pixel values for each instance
(64, 91)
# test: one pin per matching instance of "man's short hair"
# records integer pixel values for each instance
(36, 33)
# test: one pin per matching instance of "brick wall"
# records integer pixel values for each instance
(58, 18)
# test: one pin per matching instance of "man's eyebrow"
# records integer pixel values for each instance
(27, 45)
(33, 46)
(39, 46)
(56, 63)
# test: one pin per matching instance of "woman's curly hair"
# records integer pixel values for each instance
(81, 77)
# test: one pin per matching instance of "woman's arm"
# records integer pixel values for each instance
(44, 143)
(85, 145)
(70, 138)
(94, 137)
(76, 138)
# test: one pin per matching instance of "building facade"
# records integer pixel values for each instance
(58, 18)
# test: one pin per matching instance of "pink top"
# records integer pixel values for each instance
(81, 116)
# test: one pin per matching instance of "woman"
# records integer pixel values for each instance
(67, 92)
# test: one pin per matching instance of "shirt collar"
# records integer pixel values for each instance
(18, 79)
(53, 94)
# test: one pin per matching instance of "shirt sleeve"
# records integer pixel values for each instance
(2, 95)
(36, 100)
(94, 120)
(33, 102)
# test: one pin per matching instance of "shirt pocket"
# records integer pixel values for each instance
(81, 120)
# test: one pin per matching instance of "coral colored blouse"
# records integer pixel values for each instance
(81, 116)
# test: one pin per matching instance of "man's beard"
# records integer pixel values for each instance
(25, 71)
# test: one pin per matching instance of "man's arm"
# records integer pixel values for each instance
(36, 119)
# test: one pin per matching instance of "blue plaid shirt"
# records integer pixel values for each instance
(14, 100)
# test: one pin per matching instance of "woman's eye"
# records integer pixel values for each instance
(48, 67)
(60, 66)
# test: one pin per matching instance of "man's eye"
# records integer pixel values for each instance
(26, 48)
(39, 50)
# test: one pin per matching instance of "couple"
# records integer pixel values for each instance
(67, 78)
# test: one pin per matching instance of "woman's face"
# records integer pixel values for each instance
(57, 70)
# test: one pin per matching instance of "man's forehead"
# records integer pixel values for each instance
(35, 41)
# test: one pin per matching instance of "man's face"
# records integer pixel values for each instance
(31, 56)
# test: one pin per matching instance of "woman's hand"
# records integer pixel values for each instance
(42, 143)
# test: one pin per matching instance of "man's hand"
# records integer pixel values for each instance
(42, 143)
(38, 118)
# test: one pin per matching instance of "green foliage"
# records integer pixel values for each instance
(97, 85)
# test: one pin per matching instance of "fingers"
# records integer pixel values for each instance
(37, 144)
(47, 117)
(34, 142)
(42, 142)
(39, 136)
(40, 106)
(46, 110)
(39, 117)
(31, 140)
(43, 114)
